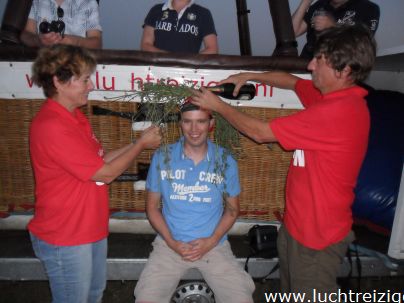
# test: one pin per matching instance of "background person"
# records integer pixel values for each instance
(330, 138)
(193, 222)
(70, 225)
(323, 14)
(81, 19)
(179, 26)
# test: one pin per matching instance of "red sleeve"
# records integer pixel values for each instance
(307, 93)
(71, 148)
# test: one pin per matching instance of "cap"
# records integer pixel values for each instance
(189, 106)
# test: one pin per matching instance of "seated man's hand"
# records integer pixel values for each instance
(50, 38)
(199, 248)
(180, 248)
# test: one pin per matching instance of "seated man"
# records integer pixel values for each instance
(198, 184)
(323, 14)
(80, 24)
(179, 26)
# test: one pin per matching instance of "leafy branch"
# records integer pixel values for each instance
(160, 101)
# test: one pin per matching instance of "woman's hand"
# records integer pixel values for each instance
(151, 137)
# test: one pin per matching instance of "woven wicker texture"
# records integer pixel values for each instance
(16, 177)
(263, 168)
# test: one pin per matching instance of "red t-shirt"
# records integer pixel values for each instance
(70, 208)
(330, 139)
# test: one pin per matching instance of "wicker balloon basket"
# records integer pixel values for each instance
(263, 168)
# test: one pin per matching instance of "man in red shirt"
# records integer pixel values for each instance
(330, 139)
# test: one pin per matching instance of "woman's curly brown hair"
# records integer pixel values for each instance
(62, 61)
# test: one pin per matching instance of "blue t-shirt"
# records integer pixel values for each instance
(192, 195)
(180, 33)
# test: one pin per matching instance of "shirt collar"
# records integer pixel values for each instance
(169, 5)
(61, 110)
(208, 153)
(353, 90)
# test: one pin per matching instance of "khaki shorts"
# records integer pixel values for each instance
(220, 269)
(303, 269)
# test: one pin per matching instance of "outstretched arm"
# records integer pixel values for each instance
(256, 129)
(117, 162)
(276, 78)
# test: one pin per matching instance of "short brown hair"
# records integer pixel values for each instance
(348, 45)
(62, 61)
(189, 106)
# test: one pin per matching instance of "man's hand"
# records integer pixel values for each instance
(179, 247)
(322, 22)
(205, 99)
(199, 248)
(50, 38)
(238, 80)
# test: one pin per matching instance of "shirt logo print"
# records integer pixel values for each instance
(298, 158)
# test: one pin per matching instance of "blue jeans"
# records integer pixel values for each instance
(77, 274)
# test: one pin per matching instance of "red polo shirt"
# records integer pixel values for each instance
(70, 208)
(330, 138)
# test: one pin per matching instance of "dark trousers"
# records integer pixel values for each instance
(303, 269)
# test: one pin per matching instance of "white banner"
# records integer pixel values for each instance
(112, 81)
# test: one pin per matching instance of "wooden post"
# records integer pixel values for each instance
(243, 28)
(286, 44)
(14, 20)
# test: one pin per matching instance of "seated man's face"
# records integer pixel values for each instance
(195, 126)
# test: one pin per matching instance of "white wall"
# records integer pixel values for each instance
(122, 22)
